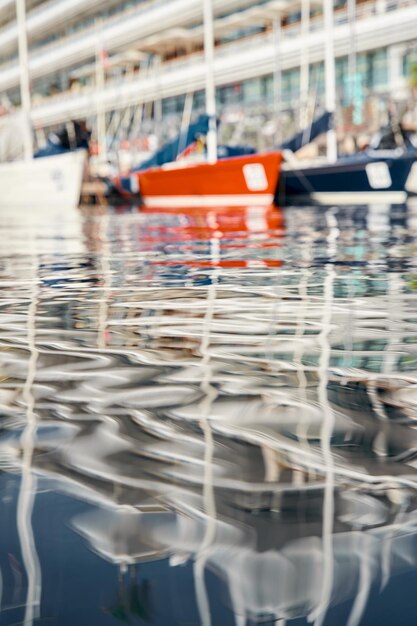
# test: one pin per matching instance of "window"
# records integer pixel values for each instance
(291, 85)
(409, 61)
(378, 61)
(253, 90)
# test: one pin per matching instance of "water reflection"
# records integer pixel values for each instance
(208, 417)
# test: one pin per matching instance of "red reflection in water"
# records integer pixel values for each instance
(206, 223)
(233, 227)
(256, 231)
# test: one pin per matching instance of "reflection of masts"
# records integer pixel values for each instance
(364, 582)
(386, 553)
(205, 406)
(327, 427)
(302, 427)
(103, 310)
(378, 222)
(395, 317)
(28, 479)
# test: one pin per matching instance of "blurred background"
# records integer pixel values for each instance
(134, 70)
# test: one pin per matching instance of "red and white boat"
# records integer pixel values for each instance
(236, 181)
(249, 179)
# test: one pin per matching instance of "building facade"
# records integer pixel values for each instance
(138, 65)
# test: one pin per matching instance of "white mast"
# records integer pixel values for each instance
(99, 85)
(24, 75)
(330, 77)
(304, 62)
(210, 90)
(352, 49)
(277, 84)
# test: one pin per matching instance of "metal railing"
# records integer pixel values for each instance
(364, 10)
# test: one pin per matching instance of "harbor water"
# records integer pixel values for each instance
(208, 418)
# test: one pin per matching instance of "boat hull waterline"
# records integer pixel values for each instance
(49, 182)
(236, 181)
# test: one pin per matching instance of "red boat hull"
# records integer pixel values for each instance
(237, 181)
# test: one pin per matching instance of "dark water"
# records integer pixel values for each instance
(209, 419)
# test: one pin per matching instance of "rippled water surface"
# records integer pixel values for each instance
(208, 419)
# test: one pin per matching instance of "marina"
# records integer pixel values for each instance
(208, 275)
(202, 171)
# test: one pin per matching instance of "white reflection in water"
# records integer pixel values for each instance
(242, 400)
(28, 484)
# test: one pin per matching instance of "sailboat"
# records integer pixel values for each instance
(233, 181)
(371, 175)
(49, 182)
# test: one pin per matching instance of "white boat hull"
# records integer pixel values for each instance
(52, 182)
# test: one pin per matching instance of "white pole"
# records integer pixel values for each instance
(210, 90)
(276, 25)
(24, 76)
(330, 76)
(304, 62)
(352, 48)
(99, 87)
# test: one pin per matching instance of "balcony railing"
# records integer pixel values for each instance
(365, 10)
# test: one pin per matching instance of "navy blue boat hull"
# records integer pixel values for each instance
(348, 175)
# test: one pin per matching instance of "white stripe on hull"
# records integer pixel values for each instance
(52, 182)
(177, 202)
(351, 197)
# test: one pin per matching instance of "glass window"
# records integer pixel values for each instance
(268, 87)
(409, 62)
(230, 94)
(342, 70)
(373, 66)
(252, 90)
(291, 85)
(379, 67)
(199, 101)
